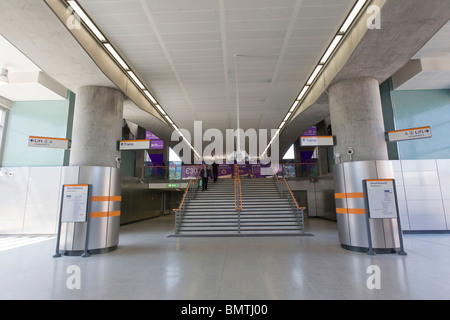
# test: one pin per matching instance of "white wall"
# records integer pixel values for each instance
(423, 190)
(30, 200)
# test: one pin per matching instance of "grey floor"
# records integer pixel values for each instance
(151, 265)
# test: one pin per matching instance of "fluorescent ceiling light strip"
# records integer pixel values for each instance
(116, 56)
(168, 119)
(315, 74)
(287, 117)
(161, 110)
(300, 96)
(282, 124)
(135, 79)
(148, 94)
(331, 48)
(86, 20)
(356, 9)
(294, 106)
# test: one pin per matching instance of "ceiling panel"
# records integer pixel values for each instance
(184, 52)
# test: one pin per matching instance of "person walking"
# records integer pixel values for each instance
(205, 173)
(215, 171)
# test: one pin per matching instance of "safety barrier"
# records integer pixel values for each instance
(286, 193)
(238, 200)
(189, 194)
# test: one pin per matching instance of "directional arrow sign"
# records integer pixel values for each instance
(134, 145)
(47, 142)
(409, 134)
(317, 141)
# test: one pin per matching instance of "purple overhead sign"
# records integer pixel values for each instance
(157, 144)
(150, 136)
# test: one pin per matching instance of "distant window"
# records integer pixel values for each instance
(289, 154)
(173, 156)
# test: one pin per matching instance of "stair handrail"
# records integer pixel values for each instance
(238, 200)
(237, 194)
(285, 192)
(189, 194)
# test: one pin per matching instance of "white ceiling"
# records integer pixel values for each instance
(434, 61)
(183, 50)
(27, 82)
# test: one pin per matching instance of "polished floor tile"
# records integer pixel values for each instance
(149, 264)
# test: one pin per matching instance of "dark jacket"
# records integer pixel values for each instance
(208, 172)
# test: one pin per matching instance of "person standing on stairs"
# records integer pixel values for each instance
(205, 173)
(215, 171)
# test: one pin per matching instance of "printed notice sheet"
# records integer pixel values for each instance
(381, 199)
(75, 203)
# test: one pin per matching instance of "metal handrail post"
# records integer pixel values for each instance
(238, 200)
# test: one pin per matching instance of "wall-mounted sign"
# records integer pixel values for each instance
(173, 185)
(318, 141)
(150, 136)
(311, 132)
(134, 145)
(47, 142)
(409, 134)
(157, 144)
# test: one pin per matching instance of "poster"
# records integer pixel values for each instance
(226, 171)
(175, 170)
(381, 199)
(75, 203)
(190, 172)
(289, 170)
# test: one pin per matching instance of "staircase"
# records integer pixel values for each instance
(213, 212)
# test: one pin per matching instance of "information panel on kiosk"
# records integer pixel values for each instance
(75, 203)
(381, 198)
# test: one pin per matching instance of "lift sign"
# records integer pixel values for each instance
(410, 134)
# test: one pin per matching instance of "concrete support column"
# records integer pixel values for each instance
(97, 127)
(357, 120)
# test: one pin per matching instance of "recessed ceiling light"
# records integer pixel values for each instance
(116, 56)
(352, 16)
(148, 94)
(314, 75)
(300, 96)
(168, 119)
(294, 106)
(4, 77)
(161, 110)
(86, 20)
(136, 80)
(331, 48)
(287, 117)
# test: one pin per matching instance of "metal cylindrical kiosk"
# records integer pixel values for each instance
(351, 211)
(104, 212)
